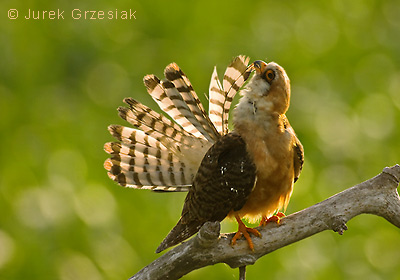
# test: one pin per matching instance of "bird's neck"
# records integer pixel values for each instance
(253, 113)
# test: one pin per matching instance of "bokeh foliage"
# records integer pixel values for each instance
(61, 81)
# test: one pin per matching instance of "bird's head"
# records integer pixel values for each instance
(269, 87)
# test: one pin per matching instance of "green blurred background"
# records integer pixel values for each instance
(62, 80)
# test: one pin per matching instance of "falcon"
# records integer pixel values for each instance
(247, 173)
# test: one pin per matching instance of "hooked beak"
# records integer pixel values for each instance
(259, 66)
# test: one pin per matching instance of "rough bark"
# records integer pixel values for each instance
(377, 196)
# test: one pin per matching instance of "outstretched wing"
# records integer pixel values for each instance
(222, 184)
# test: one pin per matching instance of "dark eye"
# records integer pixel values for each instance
(270, 75)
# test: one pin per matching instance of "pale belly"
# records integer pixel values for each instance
(272, 191)
(267, 198)
(273, 154)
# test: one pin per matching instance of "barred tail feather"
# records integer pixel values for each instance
(137, 152)
(221, 96)
(185, 146)
(143, 162)
(162, 154)
(216, 101)
(235, 76)
(146, 175)
(156, 125)
(158, 92)
(182, 84)
(171, 102)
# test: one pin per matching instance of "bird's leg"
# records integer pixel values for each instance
(244, 231)
(275, 218)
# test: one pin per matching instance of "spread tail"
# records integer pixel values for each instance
(161, 154)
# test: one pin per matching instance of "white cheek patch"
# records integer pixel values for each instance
(256, 88)
(265, 105)
(245, 108)
(254, 105)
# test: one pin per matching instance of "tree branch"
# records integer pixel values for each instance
(376, 196)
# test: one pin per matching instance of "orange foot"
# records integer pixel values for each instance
(244, 231)
(275, 218)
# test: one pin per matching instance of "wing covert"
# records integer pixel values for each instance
(223, 182)
(298, 159)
